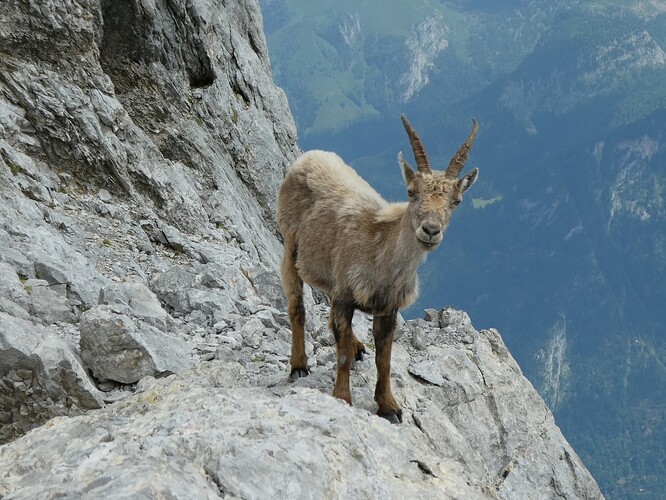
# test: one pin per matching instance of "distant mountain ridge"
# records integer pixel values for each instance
(564, 239)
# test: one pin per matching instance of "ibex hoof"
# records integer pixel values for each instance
(393, 416)
(297, 373)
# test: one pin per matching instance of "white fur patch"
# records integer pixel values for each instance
(391, 213)
(331, 173)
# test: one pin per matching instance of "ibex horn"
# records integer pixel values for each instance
(419, 152)
(458, 161)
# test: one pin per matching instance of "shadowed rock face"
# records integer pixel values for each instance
(141, 147)
(129, 131)
(164, 103)
(133, 35)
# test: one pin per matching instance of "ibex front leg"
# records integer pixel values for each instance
(340, 322)
(383, 328)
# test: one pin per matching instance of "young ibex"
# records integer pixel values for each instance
(342, 237)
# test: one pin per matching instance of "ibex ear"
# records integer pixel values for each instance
(407, 171)
(468, 179)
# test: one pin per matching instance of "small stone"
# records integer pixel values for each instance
(468, 339)
(115, 347)
(106, 386)
(226, 354)
(419, 339)
(140, 300)
(50, 306)
(230, 341)
(104, 195)
(326, 356)
(251, 327)
(116, 395)
(220, 326)
(431, 316)
(267, 318)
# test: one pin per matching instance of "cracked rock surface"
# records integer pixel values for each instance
(144, 339)
(474, 427)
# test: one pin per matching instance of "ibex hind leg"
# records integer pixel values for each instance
(359, 348)
(293, 289)
(340, 322)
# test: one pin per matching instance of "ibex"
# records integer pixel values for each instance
(342, 237)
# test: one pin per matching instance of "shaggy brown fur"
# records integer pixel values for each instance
(342, 237)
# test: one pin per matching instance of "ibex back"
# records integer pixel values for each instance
(342, 237)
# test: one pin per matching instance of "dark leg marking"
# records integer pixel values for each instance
(383, 329)
(293, 287)
(340, 322)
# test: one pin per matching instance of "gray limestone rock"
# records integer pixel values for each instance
(172, 287)
(472, 404)
(115, 347)
(200, 439)
(518, 448)
(40, 377)
(58, 263)
(140, 301)
(11, 287)
(211, 303)
(49, 303)
(270, 284)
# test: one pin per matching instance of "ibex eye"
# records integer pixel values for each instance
(411, 193)
(456, 203)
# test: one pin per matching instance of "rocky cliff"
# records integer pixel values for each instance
(141, 146)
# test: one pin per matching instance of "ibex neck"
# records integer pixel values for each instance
(400, 254)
